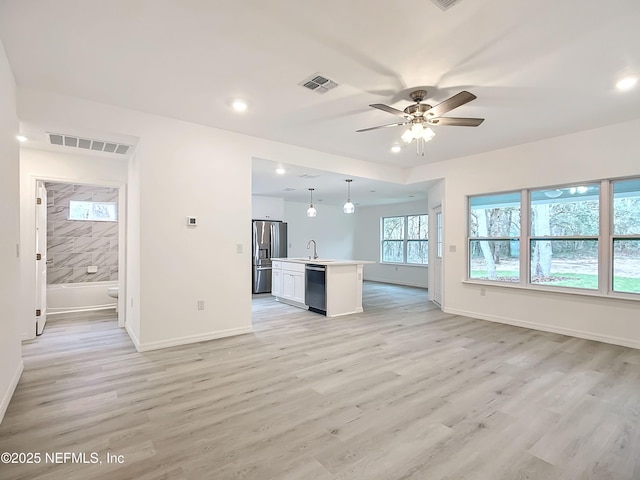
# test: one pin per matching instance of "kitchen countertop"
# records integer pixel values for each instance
(323, 261)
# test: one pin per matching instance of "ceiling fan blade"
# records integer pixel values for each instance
(382, 126)
(449, 104)
(457, 122)
(388, 109)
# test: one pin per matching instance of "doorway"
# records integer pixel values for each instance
(79, 231)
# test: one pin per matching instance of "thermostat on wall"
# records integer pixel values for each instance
(191, 221)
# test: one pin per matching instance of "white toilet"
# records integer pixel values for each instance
(113, 292)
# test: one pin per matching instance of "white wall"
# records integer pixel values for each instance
(332, 229)
(10, 350)
(612, 151)
(183, 169)
(63, 167)
(367, 245)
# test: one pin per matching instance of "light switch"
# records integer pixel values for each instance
(452, 248)
(92, 269)
(239, 248)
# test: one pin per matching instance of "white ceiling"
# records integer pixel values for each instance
(539, 68)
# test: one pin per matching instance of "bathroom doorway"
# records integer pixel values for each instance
(81, 263)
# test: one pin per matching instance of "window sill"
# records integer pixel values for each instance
(557, 290)
(405, 264)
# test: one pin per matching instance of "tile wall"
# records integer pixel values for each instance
(74, 245)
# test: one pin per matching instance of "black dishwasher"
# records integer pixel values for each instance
(315, 290)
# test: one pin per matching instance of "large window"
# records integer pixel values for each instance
(582, 236)
(405, 239)
(626, 236)
(494, 234)
(563, 246)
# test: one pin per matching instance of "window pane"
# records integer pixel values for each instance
(393, 228)
(626, 207)
(417, 252)
(566, 263)
(626, 266)
(565, 212)
(495, 215)
(494, 260)
(392, 251)
(417, 227)
(96, 211)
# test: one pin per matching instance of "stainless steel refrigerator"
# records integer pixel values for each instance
(269, 241)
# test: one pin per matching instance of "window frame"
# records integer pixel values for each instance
(605, 239)
(511, 238)
(405, 240)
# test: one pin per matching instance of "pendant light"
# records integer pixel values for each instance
(349, 207)
(311, 211)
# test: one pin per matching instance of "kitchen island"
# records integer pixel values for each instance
(301, 282)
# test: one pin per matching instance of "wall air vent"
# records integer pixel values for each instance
(445, 4)
(318, 83)
(88, 144)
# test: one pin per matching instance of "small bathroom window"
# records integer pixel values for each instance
(94, 211)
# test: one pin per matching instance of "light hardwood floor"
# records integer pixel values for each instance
(401, 391)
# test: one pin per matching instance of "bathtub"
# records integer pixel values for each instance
(79, 297)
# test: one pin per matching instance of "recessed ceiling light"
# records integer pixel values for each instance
(396, 148)
(627, 83)
(21, 138)
(280, 171)
(239, 105)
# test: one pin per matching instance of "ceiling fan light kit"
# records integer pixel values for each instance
(420, 116)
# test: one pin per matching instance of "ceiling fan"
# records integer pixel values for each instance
(421, 117)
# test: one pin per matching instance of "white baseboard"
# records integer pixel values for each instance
(133, 336)
(598, 337)
(174, 342)
(392, 282)
(6, 398)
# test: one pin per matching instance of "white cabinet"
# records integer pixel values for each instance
(276, 280)
(267, 208)
(290, 276)
(293, 285)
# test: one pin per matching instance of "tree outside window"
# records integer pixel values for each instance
(405, 239)
(626, 236)
(494, 234)
(564, 236)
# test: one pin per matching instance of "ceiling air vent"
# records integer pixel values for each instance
(308, 176)
(88, 144)
(445, 4)
(288, 189)
(318, 83)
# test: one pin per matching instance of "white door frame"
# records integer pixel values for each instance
(438, 274)
(40, 254)
(122, 234)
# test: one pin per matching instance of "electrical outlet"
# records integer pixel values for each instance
(239, 248)
(483, 292)
(200, 304)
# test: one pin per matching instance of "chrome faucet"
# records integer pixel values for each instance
(315, 253)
